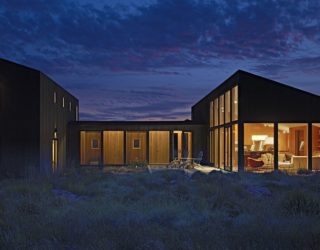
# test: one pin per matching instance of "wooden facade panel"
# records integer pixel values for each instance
(136, 154)
(159, 147)
(90, 148)
(113, 147)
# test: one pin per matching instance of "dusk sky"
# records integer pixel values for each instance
(152, 60)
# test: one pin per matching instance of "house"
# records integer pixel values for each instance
(34, 114)
(256, 124)
(248, 123)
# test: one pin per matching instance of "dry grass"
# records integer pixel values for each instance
(164, 210)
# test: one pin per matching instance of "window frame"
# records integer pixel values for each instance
(92, 143)
(133, 143)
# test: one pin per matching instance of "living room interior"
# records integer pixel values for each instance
(292, 147)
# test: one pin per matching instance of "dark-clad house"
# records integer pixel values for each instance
(248, 123)
(34, 114)
(256, 124)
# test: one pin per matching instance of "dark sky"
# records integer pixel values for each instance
(152, 60)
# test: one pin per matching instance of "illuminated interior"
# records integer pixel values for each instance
(227, 107)
(216, 111)
(235, 102)
(221, 110)
(316, 146)
(234, 147)
(221, 148)
(223, 136)
(227, 149)
(258, 147)
(293, 146)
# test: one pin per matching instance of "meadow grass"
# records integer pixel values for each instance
(163, 210)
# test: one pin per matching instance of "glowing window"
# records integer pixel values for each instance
(216, 112)
(235, 103)
(63, 102)
(54, 97)
(227, 107)
(221, 113)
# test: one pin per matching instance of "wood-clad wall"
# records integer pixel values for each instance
(136, 154)
(113, 147)
(89, 155)
(159, 147)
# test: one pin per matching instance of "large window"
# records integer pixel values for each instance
(221, 154)
(292, 146)
(221, 111)
(216, 112)
(212, 147)
(235, 103)
(259, 147)
(235, 147)
(316, 146)
(227, 155)
(216, 147)
(227, 107)
(223, 137)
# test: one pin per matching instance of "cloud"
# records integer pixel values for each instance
(88, 45)
(68, 35)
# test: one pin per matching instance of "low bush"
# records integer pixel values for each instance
(304, 171)
(138, 164)
(163, 210)
(301, 203)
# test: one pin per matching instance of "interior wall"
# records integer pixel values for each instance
(256, 129)
(293, 139)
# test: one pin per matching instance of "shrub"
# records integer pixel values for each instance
(27, 207)
(138, 164)
(181, 191)
(303, 171)
(301, 203)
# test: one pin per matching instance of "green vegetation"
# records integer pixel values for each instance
(113, 209)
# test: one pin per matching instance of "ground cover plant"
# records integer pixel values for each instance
(127, 209)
